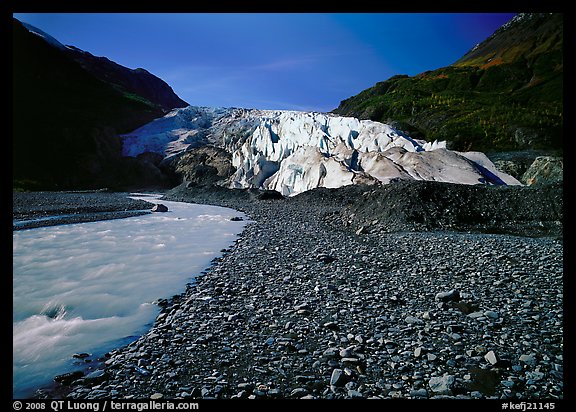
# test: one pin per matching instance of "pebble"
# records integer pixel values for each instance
(301, 307)
(448, 296)
(419, 393)
(491, 358)
(338, 378)
(412, 320)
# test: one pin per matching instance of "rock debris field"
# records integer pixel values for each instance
(307, 305)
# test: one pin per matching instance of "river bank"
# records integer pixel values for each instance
(38, 209)
(303, 306)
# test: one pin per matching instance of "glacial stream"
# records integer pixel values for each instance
(88, 288)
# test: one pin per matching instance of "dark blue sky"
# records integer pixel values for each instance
(299, 61)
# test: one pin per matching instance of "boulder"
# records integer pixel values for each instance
(160, 208)
(544, 170)
(442, 385)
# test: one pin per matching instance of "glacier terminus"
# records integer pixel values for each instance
(295, 151)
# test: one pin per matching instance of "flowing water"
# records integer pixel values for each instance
(91, 287)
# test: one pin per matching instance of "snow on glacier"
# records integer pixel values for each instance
(292, 151)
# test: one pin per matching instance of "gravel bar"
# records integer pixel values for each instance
(303, 307)
(37, 209)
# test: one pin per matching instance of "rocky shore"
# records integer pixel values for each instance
(37, 209)
(307, 305)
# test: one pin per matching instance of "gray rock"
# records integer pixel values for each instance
(449, 296)
(270, 341)
(491, 357)
(274, 393)
(544, 170)
(412, 320)
(534, 376)
(159, 207)
(96, 375)
(248, 386)
(338, 378)
(442, 385)
(419, 393)
(354, 394)
(491, 314)
(528, 359)
(298, 392)
(347, 353)
(325, 258)
(330, 353)
(390, 358)
(362, 230)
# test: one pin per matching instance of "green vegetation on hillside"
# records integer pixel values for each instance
(499, 97)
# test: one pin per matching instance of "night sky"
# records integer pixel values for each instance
(297, 61)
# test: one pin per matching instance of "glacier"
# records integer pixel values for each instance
(293, 151)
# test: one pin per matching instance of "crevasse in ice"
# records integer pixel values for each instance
(291, 151)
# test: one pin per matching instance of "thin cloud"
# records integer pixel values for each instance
(285, 64)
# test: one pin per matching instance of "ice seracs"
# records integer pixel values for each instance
(292, 151)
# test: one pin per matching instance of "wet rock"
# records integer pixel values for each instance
(159, 207)
(68, 378)
(96, 376)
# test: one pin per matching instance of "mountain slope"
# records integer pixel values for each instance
(66, 119)
(504, 94)
(132, 83)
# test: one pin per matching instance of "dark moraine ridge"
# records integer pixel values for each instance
(306, 305)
